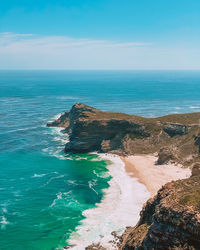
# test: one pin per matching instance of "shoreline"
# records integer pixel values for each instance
(135, 179)
(119, 208)
(144, 168)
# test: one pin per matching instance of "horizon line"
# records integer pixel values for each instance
(99, 69)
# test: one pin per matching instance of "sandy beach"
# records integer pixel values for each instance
(144, 168)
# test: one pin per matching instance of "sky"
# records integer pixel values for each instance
(100, 34)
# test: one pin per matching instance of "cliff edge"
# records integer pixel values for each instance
(171, 220)
(175, 137)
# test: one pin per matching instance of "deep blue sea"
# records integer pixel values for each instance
(43, 192)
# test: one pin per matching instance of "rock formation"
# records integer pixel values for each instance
(173, 136)
(165, 155)
(171, 220)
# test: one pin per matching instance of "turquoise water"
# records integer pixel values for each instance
(43, 192)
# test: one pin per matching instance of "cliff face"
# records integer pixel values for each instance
(89, 129)
(171, 220)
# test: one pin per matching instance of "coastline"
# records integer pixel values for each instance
(144, 168)
(135, 179)
(120, 207)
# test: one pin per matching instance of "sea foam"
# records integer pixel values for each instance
(60, 138)
(3, 222)
(120, 207)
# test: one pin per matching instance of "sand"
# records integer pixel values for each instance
(119, 208)
(144, 168)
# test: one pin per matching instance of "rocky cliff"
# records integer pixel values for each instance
(175, 137)
(171, 220)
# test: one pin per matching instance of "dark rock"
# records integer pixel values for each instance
(175, 129)
(95, 247)
(164, 155)
(62, 121)
(168, 221)
(197, 141)
(196, 169)
(68, 247)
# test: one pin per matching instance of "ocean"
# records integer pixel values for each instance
(49, 199)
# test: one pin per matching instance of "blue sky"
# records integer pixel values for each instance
(100, 34)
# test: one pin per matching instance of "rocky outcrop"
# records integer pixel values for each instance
(62, 121)
(175, 129)
(197, 141)
(95, 247)
(171, 220)
(91, 129)
(196, 169)
(165, 155)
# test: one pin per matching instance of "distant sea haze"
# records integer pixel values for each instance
(44, 194)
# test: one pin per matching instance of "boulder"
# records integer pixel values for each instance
(175, 129)
(196, 169)
(165, 155)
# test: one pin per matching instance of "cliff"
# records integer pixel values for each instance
(175, 136)
(170, 220)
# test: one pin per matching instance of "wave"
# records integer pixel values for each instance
(51, 179)
(55, 117)
(194, 107)
(38, 175)
(21, 129)
(101, 175)
(80, 158)
(59, 140)
(60, 196)
(55, 152)
(41, 175)
(67, 97)
(91, 185)
(120, 207)
(4, 222)
(96, 159)
(4, 210)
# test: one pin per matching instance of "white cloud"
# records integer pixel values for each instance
(18, 41)
(30, 51)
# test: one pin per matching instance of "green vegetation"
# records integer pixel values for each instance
(189, 194)
(153, 128)
(191, 200)
(189, 118)
(135, 136)
(100, 115)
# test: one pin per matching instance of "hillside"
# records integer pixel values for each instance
(174, 137)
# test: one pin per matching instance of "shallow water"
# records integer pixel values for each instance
(44, 194)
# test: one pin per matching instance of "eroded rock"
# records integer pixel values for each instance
(165, 155)
(196, 169)
(171, 220)
(175, 129)
(91, 129)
